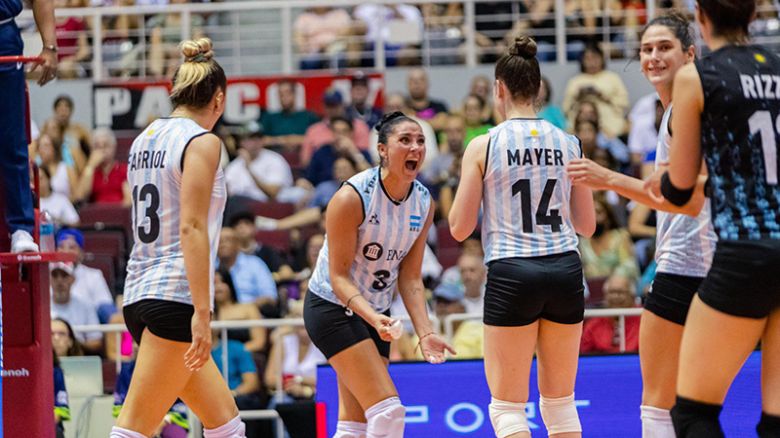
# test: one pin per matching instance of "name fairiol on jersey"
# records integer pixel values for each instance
(147, 160)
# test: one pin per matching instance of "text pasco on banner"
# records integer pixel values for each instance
(451, 400)
(133, 105)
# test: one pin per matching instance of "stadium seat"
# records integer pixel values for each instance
(107, 265)
(274, 210)
(448, 257)
(278, 239)
(100, 216)
(595, 292)
(444, 238)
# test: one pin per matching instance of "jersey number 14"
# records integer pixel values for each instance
(553, 219)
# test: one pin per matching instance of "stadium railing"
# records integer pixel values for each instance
(257, 36)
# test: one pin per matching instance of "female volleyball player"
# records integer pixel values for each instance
(684, 245)
(376, 228)
(531, 217)
(726, 109)
(178, 199)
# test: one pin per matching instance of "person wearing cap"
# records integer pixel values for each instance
(359, 107)
(257, 173)
(320, 134)
(76, 311)
(89, 284)
(286, 127)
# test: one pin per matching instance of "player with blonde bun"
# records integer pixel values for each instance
(178, 199)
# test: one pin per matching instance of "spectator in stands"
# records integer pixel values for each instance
(467, 278)
(72, 44)
(242, 378)
(320, 167)
(56, 204)
(377, 19)
(603, 87)
(104, 179)
(74, 138)
(318, 33)
(397, 102)
(89, 283)
(126, 347)
(164, 39)
(446, 164)
(344, 168)
(244, 224)
(472, 114)
(287, 127)
(359, 107)
(610, 250)
(252, 279)
(321, 133)
(63, 177)
(548, 111)
(63, 339)
(447, 301)
(257, 172)
(601, 335)
(482, 86)
(227, 308)
(645, 118)
(61, 406)
(175, 424)
(298, 357)
(588, 111)
(431, 110)
(444, 32)
(588, 17)
(71, 308)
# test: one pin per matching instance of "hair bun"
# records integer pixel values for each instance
(387, 118)
(197, 50)
(523, 46)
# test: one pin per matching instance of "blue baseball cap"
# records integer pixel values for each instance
(70, 233)
(332, 97)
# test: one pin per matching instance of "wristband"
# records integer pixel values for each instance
(676, 196)
(419, 341)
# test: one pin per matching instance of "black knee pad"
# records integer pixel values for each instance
(694, 419)
(769, 426)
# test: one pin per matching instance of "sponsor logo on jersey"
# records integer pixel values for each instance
(373, 251)
(415, 222)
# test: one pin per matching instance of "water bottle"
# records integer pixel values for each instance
(46, 232)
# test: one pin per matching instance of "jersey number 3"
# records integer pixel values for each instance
(553, 219)
(151, 216)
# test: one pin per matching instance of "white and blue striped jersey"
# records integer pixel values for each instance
(156, 266)
(388, 231)
(684, 245)
(526, 192)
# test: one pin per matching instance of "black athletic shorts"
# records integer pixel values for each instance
(333, 329)
(744, 279)
(520, 291)
(166, 319)
(670, 296)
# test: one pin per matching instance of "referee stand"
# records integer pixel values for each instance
(26, 375)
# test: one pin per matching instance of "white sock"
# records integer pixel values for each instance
(656, 423)
(234, 428)
(350, 429)
(386, 419)
(118, 432)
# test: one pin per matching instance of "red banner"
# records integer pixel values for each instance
(133, 105)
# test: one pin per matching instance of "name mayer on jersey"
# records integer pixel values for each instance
(546, 157)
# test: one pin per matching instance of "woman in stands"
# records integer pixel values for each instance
(178, 200)
(684, 245)
(534, 298)
(725, 109)
(376, 229)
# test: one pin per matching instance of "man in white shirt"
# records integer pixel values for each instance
(89, 283)
(257, 172)
(67, 306)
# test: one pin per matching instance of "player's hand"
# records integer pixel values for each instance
(653, 185)
(585, 172)
(200, 349)
(434, 347)
(48, 65)
(382, 325)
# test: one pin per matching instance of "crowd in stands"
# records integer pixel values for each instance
(282, 169)
(327, 37)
